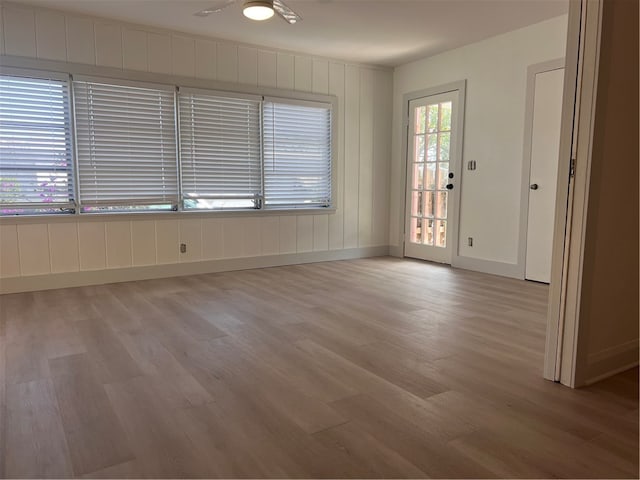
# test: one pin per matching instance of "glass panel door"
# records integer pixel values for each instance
(430, 177)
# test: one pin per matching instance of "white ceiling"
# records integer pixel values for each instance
(382, 32)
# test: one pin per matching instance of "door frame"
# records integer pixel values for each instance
(454, 221)
(566, 344)
(532, 71)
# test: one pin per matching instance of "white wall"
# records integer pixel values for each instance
(496, 74)
(46, 247)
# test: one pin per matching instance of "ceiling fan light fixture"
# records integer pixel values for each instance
(258, 10)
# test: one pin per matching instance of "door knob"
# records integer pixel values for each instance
(449, 186)
(533, 186)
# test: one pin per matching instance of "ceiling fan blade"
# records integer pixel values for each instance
(285, 12)
(215, 8)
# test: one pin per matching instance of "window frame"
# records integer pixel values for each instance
(168, 88)
(72, 205)
(33, 67)
(332, 113)
(181, 89)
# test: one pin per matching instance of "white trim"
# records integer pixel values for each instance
(610, 361)
(574, 60)
(100, 277)
(123, 82)
(532, 71)
(492, 267)
(162, 215)
(573, 347)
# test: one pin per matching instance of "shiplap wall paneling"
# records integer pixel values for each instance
(143, 242)
(206, 55)
(167, 244)
(267, 69)
(303, 73)
(191, 236)
(365, 182)
(92, 245)
(336, 220)
(135, 50)
(158, 46)
(361, 156)
(80, 40)
(382, 115)
(248, 66)
(51, 35)
(320, 84)
(183, 56)
(320, 233)
(288, 234)
(1, 30)
(63, 244)
(232, 238)
(252, 236)
(351, 155)
(212, 239)
(304, 233)
(19, 31)
(285, 71)
(269, 235)
(108, 44)
(9, 252)
(34, 249)
(227, 57)
(118, 244)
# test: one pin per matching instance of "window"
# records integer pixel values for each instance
(36, 173)
(219, 150)
(297, 154)
(91, 145)
(126, 144)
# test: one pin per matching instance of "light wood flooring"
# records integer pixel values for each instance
(366, 368)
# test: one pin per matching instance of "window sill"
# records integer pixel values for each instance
(140, 216)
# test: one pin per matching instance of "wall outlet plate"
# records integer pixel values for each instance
(183, 248)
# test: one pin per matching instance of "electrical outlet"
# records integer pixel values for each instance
(470, 241)
(471, 165)
(183, 248)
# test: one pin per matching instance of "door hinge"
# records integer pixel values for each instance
(572, 168)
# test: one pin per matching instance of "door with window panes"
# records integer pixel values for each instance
(432, 162)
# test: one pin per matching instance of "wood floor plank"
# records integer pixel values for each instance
(380, 460)
(35, 443)
(370, 368)
(93, 432)
(104, 348)
(416, 445)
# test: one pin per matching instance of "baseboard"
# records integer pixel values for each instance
(100, 277)
(396, 251)
(608, 362)
(503, 269)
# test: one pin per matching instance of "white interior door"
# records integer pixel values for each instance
(431, 168)
(545, 145)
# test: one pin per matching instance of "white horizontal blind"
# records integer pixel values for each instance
(36, 169)
(219, 150)
(297, 154)
(126, 144)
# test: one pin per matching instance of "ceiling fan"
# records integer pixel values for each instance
(255, 10)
